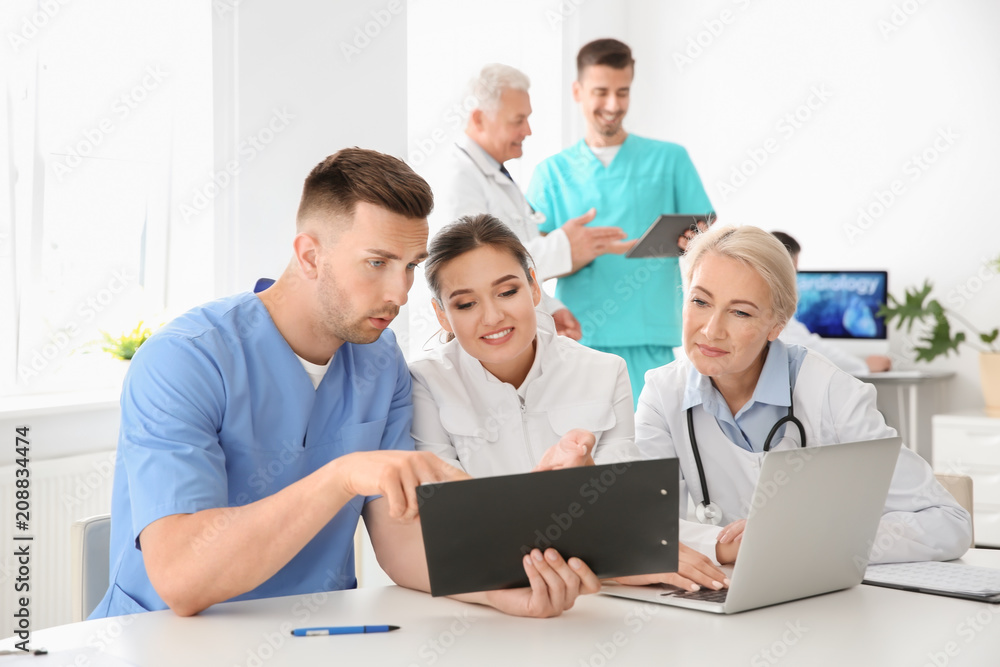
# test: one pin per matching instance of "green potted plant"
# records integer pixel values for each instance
(124, 346)
(941, 339)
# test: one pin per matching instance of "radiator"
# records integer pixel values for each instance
(62, 491)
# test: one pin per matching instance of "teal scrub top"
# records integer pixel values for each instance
(620, 301)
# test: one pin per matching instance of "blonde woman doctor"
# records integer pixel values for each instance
(507, 395)
(739, 380)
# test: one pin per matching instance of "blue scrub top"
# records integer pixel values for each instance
(217, 411)
(621, 301)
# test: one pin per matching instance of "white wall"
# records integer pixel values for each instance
(892, 91)
(339, 70)
(890, 84)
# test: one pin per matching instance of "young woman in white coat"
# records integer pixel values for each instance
(507, 395)
(738, 380)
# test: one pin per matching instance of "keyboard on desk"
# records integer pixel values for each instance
(951, 579)
(705, 594)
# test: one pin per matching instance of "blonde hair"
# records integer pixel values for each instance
(752, 247)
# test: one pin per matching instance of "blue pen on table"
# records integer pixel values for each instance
(343, 630)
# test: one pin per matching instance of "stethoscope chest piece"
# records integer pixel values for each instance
(710, 513)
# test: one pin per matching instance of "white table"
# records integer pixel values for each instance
(863, 625)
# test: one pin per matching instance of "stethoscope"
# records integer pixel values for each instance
(707, 511)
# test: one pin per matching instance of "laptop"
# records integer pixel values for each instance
(813, 518)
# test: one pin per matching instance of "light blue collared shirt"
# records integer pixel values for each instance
(769, 403)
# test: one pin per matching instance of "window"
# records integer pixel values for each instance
(108, 123)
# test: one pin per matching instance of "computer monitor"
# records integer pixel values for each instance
(843, 304)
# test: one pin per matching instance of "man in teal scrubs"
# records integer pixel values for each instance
(629, 307)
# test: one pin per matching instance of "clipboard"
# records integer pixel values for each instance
(660, 238)
(620, 519)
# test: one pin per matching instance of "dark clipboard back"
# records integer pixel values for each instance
(660, 238)
(621, 519)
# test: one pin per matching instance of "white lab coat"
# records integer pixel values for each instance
(477, 423)
(796, 333)
(922, 521)
(470, 182)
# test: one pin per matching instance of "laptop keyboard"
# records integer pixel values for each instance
(705, 594)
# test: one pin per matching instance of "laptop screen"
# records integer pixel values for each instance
(842, 304)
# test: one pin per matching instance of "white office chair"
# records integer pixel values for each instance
(960, 487)
(91, 545)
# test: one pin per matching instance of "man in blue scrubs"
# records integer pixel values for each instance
(629, 307)
(257, 428)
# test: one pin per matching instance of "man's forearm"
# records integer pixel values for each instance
(196, 560)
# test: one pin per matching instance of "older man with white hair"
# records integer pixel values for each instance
(474, 180)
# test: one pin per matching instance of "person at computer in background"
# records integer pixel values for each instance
(258, 427)
(507, 395)
(629, 307)
(796, 333)
(737, 382)
(475, 180)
